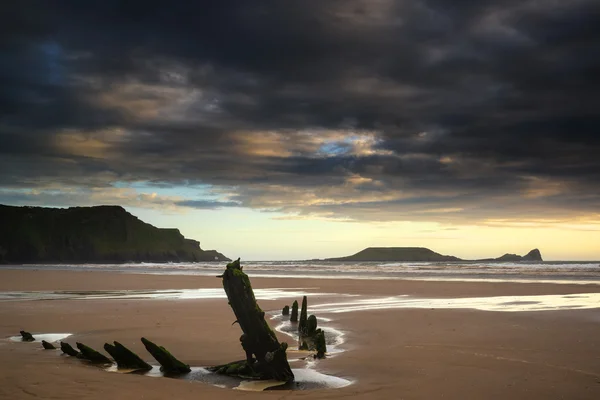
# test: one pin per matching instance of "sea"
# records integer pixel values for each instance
(551, 272)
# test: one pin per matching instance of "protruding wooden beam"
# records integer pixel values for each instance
(92, 355)
(168, 363)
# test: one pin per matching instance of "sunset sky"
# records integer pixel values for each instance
(308, 129)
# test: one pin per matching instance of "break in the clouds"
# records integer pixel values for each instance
(355, 109)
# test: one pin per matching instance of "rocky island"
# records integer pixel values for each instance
(101, 234)
(422, 254)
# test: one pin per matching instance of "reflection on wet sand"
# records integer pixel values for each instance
(306, 379)
(48, 337)
(174, 294)
(354, 302)
(552, 302)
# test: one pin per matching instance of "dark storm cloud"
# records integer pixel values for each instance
(488, 105)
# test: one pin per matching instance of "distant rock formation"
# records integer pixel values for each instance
(102, 234)
(396, 254)
(533, 255)
(422, 254)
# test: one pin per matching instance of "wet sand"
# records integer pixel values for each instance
(392, 353)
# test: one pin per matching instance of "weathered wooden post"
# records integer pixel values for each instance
(303, 316)
(264, 353)
(311, 325)
(294, 316)
(320, 344)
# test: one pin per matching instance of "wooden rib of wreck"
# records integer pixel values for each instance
(126, 358)
(311, 338)
(26, 336)
(303, 317)
(265, 357)
(87, 353)
(311, 325)
(286, 310)
(48, 345)
(320, 344)
(69, 350)
(294, 316)
(168, 363)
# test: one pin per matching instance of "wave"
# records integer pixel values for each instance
(355, 270)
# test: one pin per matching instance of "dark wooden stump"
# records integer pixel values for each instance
(48, 345)
(311, 325)
(312, 338)
(320, 344)
(294, 316)
(303, 317)
(264, 354)
(26, 336)
(69, 350)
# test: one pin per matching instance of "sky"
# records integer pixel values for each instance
(314, 128)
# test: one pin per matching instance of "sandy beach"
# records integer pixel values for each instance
(407, 353)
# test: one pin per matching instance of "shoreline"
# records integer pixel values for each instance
(46, 279)
(572, 274)
(54, 280)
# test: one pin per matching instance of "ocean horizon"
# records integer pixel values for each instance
(547, 271)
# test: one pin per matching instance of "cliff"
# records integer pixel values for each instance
(103, 234)
(421, 254)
